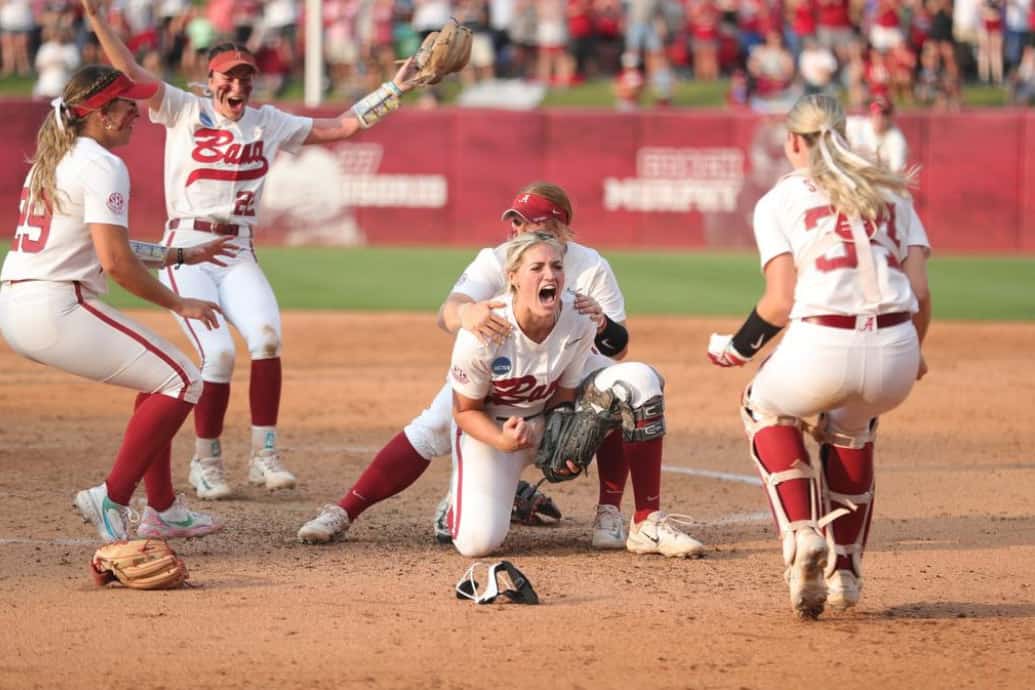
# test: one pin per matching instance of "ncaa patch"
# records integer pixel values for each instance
(501, 365)
(116, 203)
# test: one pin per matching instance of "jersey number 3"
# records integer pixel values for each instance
(850, 259)
(33, 228)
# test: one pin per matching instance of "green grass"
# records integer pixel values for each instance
(703, 283)
(592, 94)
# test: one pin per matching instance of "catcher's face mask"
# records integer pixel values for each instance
(519, 590)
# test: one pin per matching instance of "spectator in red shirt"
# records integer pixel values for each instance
(990, 42)
(582, 37)
(834, 27)
(704, 38)
(886, 29)
(800, 19)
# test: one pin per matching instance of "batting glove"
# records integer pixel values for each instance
(722, 353)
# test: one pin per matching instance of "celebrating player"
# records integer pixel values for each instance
(218, 150)
(540, 207)
(72, 231)
(845, 262)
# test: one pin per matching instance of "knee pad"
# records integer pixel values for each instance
(218, 365)
(639, 389)
(266, 345)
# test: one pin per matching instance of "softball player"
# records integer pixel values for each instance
(539, 207)
(218, 151)
(845, 262)
(72, 231)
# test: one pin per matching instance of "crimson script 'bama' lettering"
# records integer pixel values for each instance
(215, 146)
(521, 389)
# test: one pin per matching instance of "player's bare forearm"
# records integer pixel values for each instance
(449, 312)
(922, 318)
(329, 129)
(561, 395)
(478, 425)
(778, 299)
(116, 51)
(124, 267)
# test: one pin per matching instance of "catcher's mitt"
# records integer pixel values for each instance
(442, 52)
(574, 432)
(139, 564)
(531, 506)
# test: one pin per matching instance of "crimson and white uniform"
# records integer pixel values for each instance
(855, 374)
(215, 169)
(585, 272)
(50, 309)
(515, 378)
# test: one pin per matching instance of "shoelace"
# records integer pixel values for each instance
(211, 469)
(610, 520)
(271, 463)
(677, 522)
(332, 518)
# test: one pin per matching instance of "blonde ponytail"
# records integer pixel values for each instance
(60, 129)
(853, 183)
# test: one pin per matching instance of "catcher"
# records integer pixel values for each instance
(139, 564)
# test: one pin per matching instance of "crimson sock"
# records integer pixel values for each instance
(778, 448)
(264, 391)
(613, 470)
(158, 479)
(849, 471)
(644, 458)
(211, 410)
(155, 421)
(394, 468)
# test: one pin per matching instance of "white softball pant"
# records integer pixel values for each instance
(851, 375)
(63, 325)
(244, 294)
(429, 432)
(482, 490)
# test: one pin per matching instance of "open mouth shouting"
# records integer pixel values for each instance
(548, 295)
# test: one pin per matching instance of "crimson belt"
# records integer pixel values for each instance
(206, 226)
(849, 322)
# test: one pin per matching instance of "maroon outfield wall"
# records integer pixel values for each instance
(654, 179)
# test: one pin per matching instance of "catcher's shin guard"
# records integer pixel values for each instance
(778, 451)
(847, 493)
(639, 389)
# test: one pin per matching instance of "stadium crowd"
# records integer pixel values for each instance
(909, 51)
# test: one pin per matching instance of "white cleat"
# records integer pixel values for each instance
(843, 589)
(609, 531)
(331, 524)
(658, 533)
(443, 535)
(208, 478)
(804, 576)
(177, 522)
(111, 519)
(266, 470)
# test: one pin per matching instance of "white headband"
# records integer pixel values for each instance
(841, 146)
(58, 104)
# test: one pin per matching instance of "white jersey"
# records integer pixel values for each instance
(517, 377)
(93, 185)
(585, 271)
(214, 167)
(889, 148)
(795, 218)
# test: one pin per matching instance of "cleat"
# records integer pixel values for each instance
(443, 534)
(658, 533)
(266, 469)
(609, 531)
(330, 525)
(208, 478)
(804, 576)
(111, 519)
(176, 522)
(843, 590)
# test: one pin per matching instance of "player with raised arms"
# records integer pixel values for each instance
(218, 150)
(845, 262)
(72, 234)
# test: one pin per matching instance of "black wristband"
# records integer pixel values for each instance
(754, 334)
(179, 257)
(613, 339)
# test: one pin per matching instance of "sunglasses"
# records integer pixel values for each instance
(519, 590)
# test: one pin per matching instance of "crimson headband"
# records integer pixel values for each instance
(121, 87)
(536, 209)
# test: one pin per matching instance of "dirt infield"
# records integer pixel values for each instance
(949, 598)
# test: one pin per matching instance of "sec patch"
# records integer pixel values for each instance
(116, 203)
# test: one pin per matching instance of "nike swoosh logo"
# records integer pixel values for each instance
(572, 342)
(607, 343)
(758, 343)
(182, 523)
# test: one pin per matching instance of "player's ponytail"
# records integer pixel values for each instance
(853, 183)
(61, 128)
